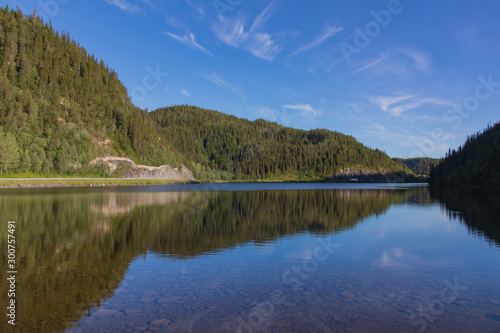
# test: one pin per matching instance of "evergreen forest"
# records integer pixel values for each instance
(474, 164)
(61, 107)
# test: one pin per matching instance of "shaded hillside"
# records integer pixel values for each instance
(60, 107)
(221, 145)
(420, 166)
(474, 164)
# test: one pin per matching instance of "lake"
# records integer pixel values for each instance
(253, 258)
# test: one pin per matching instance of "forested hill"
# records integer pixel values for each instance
(475, 164)
(420, 166)
(60, 107)
(226, 146)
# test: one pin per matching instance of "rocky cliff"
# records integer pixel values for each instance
(129, 169)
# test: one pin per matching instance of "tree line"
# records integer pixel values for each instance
(227, 146)
(420, 166)
(476, 163)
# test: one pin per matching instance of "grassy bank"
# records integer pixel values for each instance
(89, 182)
(19, 180)
(68, 182)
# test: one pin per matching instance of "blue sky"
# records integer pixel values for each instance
(410, 77)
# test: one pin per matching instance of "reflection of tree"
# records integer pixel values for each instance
(71, 254)
(238, 217)
(478, 210)
(73, 249)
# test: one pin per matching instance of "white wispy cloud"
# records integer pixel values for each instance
(196, 7)
(232, 32)
(381, 58)
(125, 6)
(421, 60)
(398, 110)
(225, 85)
(402, 62)
(306, 110)
(329, 32)
(394, 106)
(189, 40)
(385, 102)
(185, 92)
(263, 46)
(264, 16)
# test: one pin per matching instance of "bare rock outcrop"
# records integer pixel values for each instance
(134, 170)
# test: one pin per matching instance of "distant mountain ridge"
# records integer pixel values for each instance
(226, 146)
(420, 166)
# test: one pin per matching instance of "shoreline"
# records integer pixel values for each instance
(13, 183)
(8, 183)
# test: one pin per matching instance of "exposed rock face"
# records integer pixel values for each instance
(145, 171)
(162, 172)
(348, 174)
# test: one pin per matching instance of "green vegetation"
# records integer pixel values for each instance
(9, 155)
(62, 182)
(474, 164)
(221, 146)
(420, 166)
(60, 107)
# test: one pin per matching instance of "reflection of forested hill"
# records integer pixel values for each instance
(478, 210)
(230, 218)
(420, 195)
(73, 249)
(71, 253)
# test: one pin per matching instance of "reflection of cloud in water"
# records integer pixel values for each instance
(392, 259)
(397, 259)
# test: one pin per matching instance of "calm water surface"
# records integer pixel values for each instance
(253, 258)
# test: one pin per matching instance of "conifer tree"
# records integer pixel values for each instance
(9, 154)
